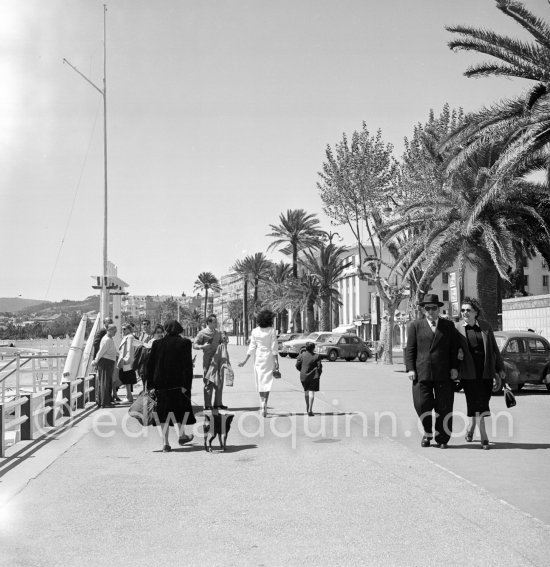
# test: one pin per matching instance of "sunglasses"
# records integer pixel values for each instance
(465, 310)
(431, 308)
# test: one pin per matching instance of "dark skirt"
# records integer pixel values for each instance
(478, 393)
(127, 376)
(311, 385)
(174, 407)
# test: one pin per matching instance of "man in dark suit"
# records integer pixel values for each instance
(432, 365)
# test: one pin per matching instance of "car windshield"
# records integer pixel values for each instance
(331, 339)
(500, 341)
(285, 337)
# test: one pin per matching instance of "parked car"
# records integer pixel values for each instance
(292, 348)
(347, 346)
(284, 337)
(526, 359)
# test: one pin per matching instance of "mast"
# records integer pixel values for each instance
(104, 298)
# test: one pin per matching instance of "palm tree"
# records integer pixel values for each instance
(297, 230)
(326, 266)
(280, 273)
(204, 282)
(524, 123)
(258, 268)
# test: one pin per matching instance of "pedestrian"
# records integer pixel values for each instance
(208, 340)
(158, 333)
(170, 375)
(481, 360)
(263, 343)
(100, 334)
(145, 335)
(310, 367)
(104, 361)
(126, 354)
(432, 366)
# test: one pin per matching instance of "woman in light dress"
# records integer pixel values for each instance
(263, 343)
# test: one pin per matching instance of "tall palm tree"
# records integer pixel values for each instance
(326, 266)
(280, 273)
(258, 268)
(297, 230)
(523, 123)
(204, 282)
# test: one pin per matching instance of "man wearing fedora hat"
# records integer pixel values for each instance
(432, 365)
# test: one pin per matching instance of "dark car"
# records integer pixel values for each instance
(347, 346)
(283, 337)
(526, 359)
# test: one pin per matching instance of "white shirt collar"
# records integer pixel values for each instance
(476, 324)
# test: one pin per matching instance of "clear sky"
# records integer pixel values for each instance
(219, 113)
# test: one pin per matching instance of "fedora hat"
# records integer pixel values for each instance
(431, 298)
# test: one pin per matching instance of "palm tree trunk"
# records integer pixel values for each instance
(245, 310)
(205, 302)
(325, 324)
(489, 294)
(256, 283)
(310, 316)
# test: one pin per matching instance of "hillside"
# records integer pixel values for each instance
(16, 304)
(91, 303)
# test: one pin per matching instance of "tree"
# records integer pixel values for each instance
(204, 282)
(296, 231)
(522, 124)
(358, 184)
(274, 289)
(326, 266)
(258, 268)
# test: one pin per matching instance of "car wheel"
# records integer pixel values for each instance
(363, 356)
(332, 355)
(497, 384)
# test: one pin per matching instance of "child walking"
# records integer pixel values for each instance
(310, 367)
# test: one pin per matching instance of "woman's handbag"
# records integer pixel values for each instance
(509, 397)
(276, 373)
(144, 409)
(228, 374)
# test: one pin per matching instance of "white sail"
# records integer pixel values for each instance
(87, 355)
(74, 356)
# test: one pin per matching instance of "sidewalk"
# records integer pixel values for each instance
(285, 493)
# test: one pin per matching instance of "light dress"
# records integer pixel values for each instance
(263, 343)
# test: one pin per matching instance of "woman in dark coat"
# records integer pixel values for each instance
(481, 360)
(170, 374)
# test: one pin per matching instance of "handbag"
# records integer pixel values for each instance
(276, 373)
(144, 409)
(509, 398)
(228, 374)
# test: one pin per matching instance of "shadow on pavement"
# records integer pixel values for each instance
(497, 446)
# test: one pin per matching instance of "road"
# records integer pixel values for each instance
(333, 489)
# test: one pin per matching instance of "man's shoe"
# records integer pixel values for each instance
(166, 449)
(426, 441)
(207, 408)
(220, 407)
(185, 439)
(441, 445)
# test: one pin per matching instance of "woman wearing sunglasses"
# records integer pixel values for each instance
(481, 361)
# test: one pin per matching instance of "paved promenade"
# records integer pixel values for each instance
(290, 490)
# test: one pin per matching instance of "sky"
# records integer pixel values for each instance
(219, 113)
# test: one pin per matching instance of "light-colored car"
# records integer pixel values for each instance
(526, 359)
(284, 337)
(347, 346)
(292, 348)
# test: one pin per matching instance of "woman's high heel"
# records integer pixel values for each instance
(485, 444)
(469, 437)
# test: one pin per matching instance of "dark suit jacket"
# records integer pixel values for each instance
(432, 355)
(170, 363)
(493, 358)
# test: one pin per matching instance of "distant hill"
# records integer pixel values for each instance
(16, 304)
(91, 303)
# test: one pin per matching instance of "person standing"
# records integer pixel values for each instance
(144, 339)
(170, 374)
(100, 334)
(263, 343)
(481, 360)
(432, 366)
(310, 367)
(104, 361)
(126, 353)
(208, 340)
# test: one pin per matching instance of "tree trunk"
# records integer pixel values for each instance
(205, 303)
(256, 283)
(310, 316)
(245, 310)
(283, 321)
(489, 294)
(385, 347)
(325, 315)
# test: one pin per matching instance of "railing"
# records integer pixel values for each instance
(35, 399)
